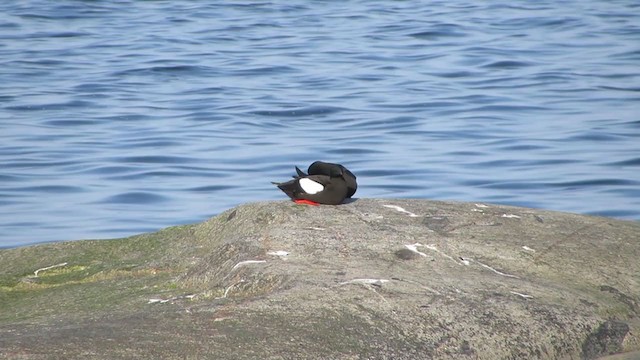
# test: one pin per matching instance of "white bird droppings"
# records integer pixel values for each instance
(496, 271)
(226, 291)
(414, 248)
(526, 248)
(511, 216)
(280, 253)
(247, 262)
(400, 209)
(521, 295)
(434, 248)
(162, 301)
(365, 281)
(35, 273)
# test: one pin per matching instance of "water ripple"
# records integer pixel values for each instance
(135, 198)
(629, 162)
(115, 122)
(154, 159)
(299, 112)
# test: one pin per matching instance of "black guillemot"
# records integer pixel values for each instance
(324, 168)
(326, 183)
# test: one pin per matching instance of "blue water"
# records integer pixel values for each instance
(121, 117)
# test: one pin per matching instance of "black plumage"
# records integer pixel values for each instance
(330, 188)
(325, 168)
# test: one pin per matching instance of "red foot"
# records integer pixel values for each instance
(306, 202)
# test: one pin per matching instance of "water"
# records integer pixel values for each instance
(123, 117)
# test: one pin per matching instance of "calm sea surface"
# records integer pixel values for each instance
(121, 117)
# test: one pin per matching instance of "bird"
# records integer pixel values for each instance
(324, 168)
(328, 189)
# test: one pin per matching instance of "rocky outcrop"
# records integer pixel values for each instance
(372, 279)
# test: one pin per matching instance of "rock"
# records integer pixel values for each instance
(372, 279)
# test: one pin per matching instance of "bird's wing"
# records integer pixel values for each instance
(300, 172)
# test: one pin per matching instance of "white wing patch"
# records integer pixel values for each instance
(309, 186)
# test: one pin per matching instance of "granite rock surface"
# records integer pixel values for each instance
(371, 279)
